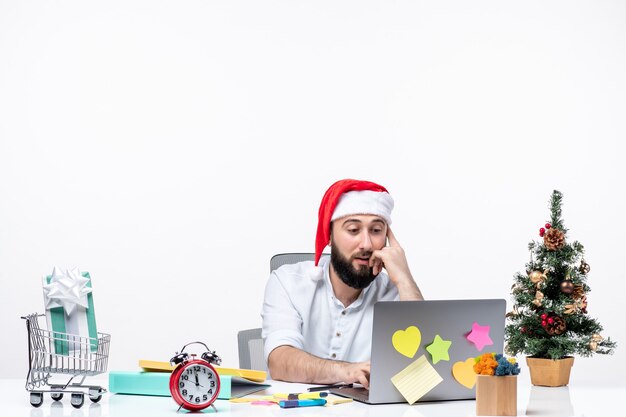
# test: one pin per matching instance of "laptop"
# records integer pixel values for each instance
(452, 320)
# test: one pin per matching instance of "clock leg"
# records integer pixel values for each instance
(214, 409)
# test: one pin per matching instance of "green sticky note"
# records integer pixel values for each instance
(439, 349)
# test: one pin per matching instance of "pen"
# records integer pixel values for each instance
(301, 396)
(327, 387)
(301, 403)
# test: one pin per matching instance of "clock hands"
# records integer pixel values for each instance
(198, 384)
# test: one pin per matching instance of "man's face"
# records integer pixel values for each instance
(353, 239)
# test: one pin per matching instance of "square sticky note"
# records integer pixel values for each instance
(416, 380)
(335, 399)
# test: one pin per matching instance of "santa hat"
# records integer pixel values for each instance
(348, 197)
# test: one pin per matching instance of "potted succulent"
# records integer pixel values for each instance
(550, 321)
(496, 385)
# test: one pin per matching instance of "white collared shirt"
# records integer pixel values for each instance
(300, 310)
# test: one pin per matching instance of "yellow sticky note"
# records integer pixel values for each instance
(407, 341)
(416, 380)
(335, 399)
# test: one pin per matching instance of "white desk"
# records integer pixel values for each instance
(535, 401)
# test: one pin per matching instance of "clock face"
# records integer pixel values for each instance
(197, 384)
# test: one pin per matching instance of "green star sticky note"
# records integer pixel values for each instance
(439, 349)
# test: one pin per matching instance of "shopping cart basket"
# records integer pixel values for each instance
(67, 355)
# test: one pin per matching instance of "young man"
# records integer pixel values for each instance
(317, 316)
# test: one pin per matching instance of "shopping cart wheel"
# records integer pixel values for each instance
(36, 399)
(56, 396)
(95, 394)
(78, 398)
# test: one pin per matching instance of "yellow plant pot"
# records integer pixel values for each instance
(496, 395)
(550, 372)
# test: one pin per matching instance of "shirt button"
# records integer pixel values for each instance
(343, 313)
(338, 334)
(334, 355)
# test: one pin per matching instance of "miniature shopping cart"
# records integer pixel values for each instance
(68, 356)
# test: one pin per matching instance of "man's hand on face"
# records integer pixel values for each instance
(393, 259)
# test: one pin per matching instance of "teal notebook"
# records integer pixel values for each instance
(158, 383)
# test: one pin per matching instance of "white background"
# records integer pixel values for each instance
(171, 148)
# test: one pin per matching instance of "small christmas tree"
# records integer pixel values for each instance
(549, 318)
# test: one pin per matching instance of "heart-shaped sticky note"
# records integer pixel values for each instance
(407, 341)
(464, 373)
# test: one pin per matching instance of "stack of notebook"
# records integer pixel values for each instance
(154, 379)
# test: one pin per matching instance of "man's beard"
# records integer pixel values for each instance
(356, 278)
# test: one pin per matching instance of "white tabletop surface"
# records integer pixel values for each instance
(536, 401)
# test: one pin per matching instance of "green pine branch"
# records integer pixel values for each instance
(555, 211)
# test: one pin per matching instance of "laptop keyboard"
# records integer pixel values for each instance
(359, 394)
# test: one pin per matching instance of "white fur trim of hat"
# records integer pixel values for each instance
(364, 202)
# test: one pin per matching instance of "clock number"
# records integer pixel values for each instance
(185, 377)
(184, 392)
(210, 391)
(181, 384)
(212, 384)
(190, 397)
(196, 368)
(205, 398)
(211, 375)
(197, 399)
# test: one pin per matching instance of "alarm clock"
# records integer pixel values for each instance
(194, 383)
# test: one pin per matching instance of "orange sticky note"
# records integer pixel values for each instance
(464, 373)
